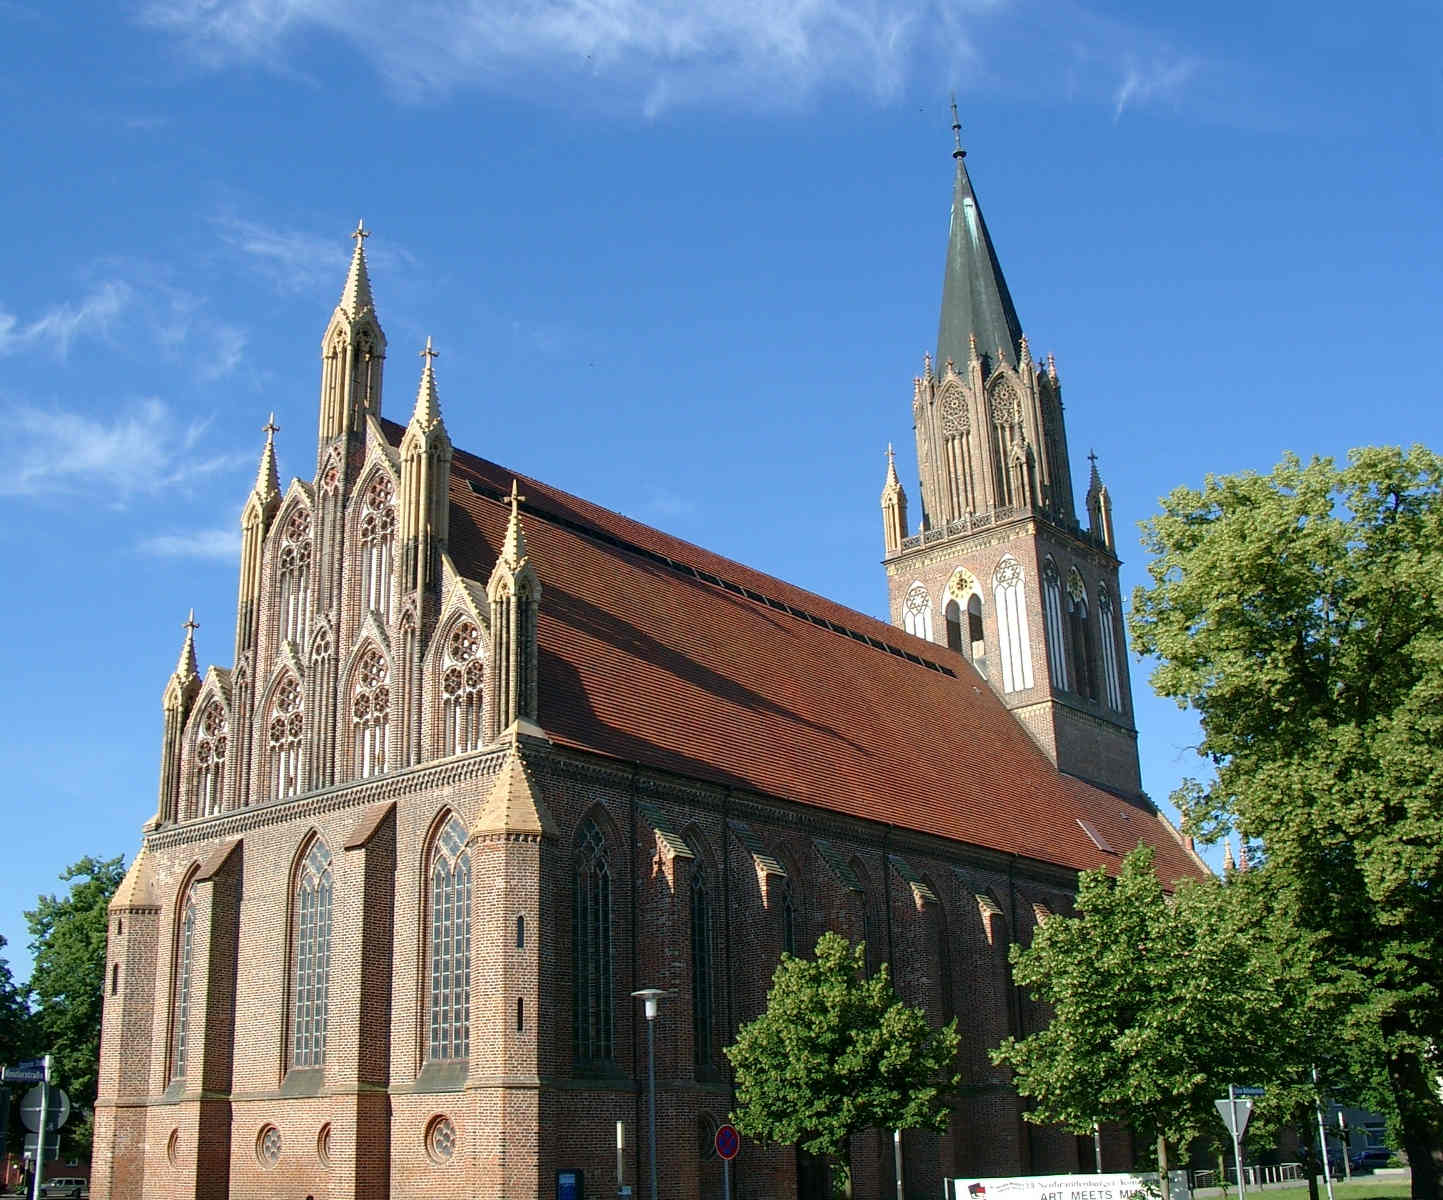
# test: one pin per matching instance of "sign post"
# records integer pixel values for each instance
(44, 1130)
(727, 1145)
(1235, 1111)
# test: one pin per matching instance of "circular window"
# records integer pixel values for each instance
(268, 1146)
(323, 1144)
(172, 1147)
(441, 1139)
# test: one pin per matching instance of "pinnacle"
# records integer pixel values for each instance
(892, 480)
(186, 668)
(1095, 482)
(514, 550)
(428, 404)
(268, 480)
(356, 295)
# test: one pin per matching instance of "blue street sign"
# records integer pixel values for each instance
(24, 1075)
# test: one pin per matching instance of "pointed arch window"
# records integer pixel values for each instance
(703, 967)
(463, 684)
(1107, 636)
(312, 957)
(1080, 629)
(295, 577)
(1013, 636)
(377, 533)
(284, 735)
(789, 918)
(450, 945)
(917, 611)
(210, 752)
(591, 948)
(1052, 617)
(371, 714)
(181, 983)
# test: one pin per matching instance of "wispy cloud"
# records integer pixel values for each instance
(56, 329)
(296, 260)
(113, 460)
(1160, 80)
(212, 545)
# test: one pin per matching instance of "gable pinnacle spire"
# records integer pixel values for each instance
(428, 404)
(975, 299)
(356, 295)
(186, 667)
(514, 550)
(268, 480)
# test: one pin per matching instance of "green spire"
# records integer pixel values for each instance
(975, 300)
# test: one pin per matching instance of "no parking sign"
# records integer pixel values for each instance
(727, 1142)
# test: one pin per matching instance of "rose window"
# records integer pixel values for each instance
(441, 1139)
(268, 1146)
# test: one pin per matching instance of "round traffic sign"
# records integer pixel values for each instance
(59, 1108)
(727, 1141)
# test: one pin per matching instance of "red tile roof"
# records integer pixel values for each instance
(737, 679)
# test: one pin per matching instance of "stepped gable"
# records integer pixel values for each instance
(644, 661)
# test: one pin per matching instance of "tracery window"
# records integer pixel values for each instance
(377, 533)
(1013, 637)
(702, 966)
(463, 684)
(371, 714)
(917, 611)
(295, 577)
(180, 985)
(210, 751)
(284, 734)
(1081, 630)
(312, 957)
(591, 947)
(1052, 616)
(1107, 629)
(450, 945)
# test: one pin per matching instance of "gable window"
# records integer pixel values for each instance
(377, 533)
(591, 947)
(210, 752)
(181, 984)
(1107, 636)
(295, 577)
(450, 945)
(371, 714)
(312, 957)
(463, 684)
(917, 612)
(1052, 615)
(1013, 637)
(284, 735)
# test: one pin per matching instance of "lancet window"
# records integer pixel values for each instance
(591, 947)
(312, 957)
(284, 734)
(180, 984)
(294, 572)
(702, 967)
(211, 745)
(917, 611)
(1081, 630)
(377, 531)
(789, 918)
(1052, 616)
(463, 683)
(1013, 637)
(450, 945)
(1107, 631)
(371, 714)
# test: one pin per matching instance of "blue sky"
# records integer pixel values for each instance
(682, 257)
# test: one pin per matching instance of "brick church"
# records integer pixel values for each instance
(489, 758)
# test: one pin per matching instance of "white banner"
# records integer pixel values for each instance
(1141, 1186)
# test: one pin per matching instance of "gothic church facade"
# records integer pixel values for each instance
(489, 758)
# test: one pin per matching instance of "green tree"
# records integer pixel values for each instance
(1156, 1004)
(16, 1037)
(837, 1052)
(67, 940)
(1300, 614)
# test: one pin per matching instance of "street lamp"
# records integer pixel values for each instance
(651, 998)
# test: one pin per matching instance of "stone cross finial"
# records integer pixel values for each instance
(516, 498)
(428, 352)
(362, 233)
(1092, 458)
(270, 428)
(190, 625)
(890, 456)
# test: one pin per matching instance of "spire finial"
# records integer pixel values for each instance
(186, 667)
(270, 428)
(514, 549)
(356, 294)
(1092, 458)
(516, 499)
(268, 480)
(362, 233)
(190, 624)
(429, 352)
(958, 153)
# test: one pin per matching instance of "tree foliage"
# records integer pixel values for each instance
(68, 942)
(1299, 614)
(836, 1052)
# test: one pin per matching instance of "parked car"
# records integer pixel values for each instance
(68, 1186)
(1373, 1156)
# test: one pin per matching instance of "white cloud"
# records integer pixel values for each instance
(297, 260)
(59, 326)
(218, 545)
(1142, 84)
(112, 460)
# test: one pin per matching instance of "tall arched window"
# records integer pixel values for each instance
(284, 734)
(954, 627)
(463, 684)
(591, 946)
(450, 945)
(312, 957)
(1013, 638)
(377, 532)
(181, 983)
(371, 714)
(917, 611)
(789, 918)
(702, 966)
(1107, 629)
(210, 751)
(1052, 615)
(1081, 630)
(295, 577)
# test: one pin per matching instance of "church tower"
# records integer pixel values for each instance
(999, 568)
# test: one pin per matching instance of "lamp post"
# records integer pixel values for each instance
(651, 998)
